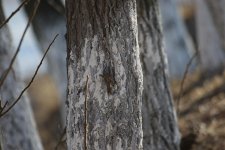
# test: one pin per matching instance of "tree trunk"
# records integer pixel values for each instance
(212, 56)
(178, 44)
(48, 22)
(17, 127)
(159, 120)
(217, 11)
(102, 45)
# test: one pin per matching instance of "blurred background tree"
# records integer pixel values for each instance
(18, 128)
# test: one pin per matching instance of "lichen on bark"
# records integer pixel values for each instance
(102, 44)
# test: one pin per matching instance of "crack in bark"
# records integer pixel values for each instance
(109, 78)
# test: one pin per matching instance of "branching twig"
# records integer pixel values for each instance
(36, 71)
(183, 80)
(13, 13)
(85, 115)
(4, 76)
(3, 107)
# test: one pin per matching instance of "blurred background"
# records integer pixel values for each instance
(194, 40)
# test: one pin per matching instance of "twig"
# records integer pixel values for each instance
(85, 115)
(182, 82)
(13, 13)
(4, 76)
(36, 71)
(2, 108)
(200, 80)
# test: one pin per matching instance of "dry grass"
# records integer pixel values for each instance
(205, 118)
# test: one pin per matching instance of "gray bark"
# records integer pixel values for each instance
(102, 44)
(185, 2)
(178, 43)
(210, 47)
(217, 11)
(159, 120)
(17, 127)
(48, 22)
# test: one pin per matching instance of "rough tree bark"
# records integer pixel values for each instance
(102, 44)
(159, 119)
(48, 22)
(210, 47)
(178, 43)
(17, 127)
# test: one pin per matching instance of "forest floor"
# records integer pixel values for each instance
(201, 111)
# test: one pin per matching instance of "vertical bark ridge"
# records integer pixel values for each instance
(159, 119)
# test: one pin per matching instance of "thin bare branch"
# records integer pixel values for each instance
(2, 108)
(4, 75)
(183, 80)
(14, 12)
(24, 90)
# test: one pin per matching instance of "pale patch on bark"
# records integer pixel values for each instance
(119, 145)
(104, 43)
(70, 76)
